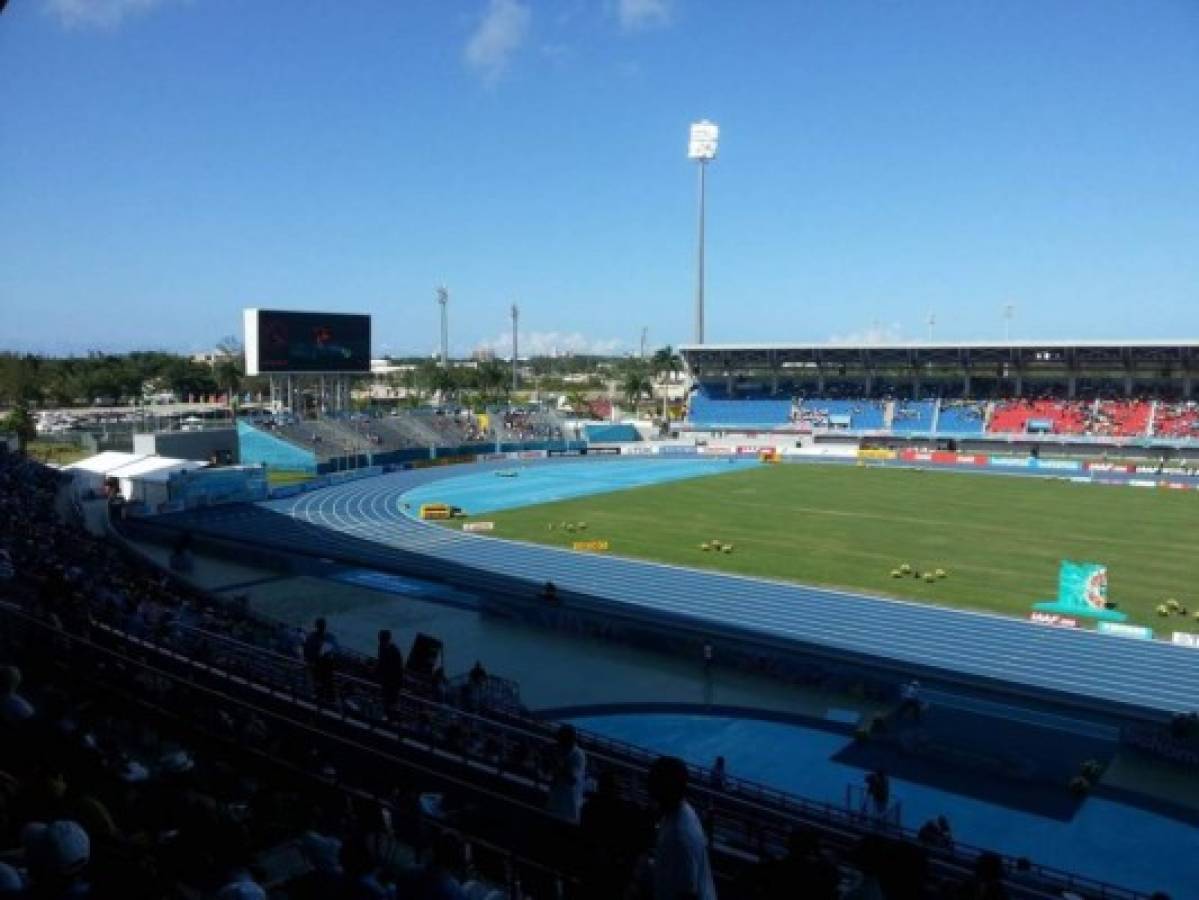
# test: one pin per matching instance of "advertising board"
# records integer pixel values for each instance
(1054, 619)
(1129, 631)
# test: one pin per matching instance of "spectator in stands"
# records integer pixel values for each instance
(476, 686)
(910, 703)
(878, 790)
(11, 882)
(617, 831)
(241, 886)
(719, 774)
(805, 868)
(391, 670)
(437, 881)
(320, 650)
(322, 848)
(987, 881)
(868, 862)
(681, 867)
(14, 708)
(568, 769)
(936, 833)
(57, 855)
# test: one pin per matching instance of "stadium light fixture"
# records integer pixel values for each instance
(702, 148)
(1009, 310)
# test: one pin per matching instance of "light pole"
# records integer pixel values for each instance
(1009, 310)
(443, 300)
(932, 320)
(702, 149)
(515, 322)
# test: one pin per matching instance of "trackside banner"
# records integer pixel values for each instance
(1185, 639)
(1129, 631)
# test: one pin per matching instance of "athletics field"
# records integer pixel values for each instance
(999, 539)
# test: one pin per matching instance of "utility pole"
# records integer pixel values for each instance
(443, 300)
(515, 347)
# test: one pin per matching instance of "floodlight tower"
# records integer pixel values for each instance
(515, 322)
(932, 321)
(702, 149)
(443, 300)
(1009, 310)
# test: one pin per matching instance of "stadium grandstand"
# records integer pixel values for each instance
(1077, 389)
(304, 769)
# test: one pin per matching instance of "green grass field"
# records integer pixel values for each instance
(999, 539)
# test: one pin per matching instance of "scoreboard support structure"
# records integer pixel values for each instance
(330, 392)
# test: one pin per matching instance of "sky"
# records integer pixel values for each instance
(166, 163)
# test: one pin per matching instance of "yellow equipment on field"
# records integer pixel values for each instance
(436, 511)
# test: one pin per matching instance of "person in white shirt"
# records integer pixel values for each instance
(681, 867)
(568, 777)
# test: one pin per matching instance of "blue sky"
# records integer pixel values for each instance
(164, 163)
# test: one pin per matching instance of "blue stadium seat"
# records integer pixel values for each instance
(746, 412)
(913, 416)
(961, 419)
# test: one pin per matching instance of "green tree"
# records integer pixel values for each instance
(230, 366)
(19, 422)
(577, 401)
(493, 378)
(635, 384)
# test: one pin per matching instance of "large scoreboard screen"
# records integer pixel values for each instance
(279, 341)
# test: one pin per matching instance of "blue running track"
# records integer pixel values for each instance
(364, 522)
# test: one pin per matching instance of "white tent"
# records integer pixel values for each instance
(89, 474)
(145, 480)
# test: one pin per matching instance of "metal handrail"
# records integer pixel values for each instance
(10, 613)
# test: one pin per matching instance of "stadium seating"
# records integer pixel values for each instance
(1048, 416)
(1176, 420)
(1120, 418)
(854, 414)
(913, 416)
(739, 413)
(958, 417)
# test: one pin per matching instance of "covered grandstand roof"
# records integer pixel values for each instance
(1065, 354)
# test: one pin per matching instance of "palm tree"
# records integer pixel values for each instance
(492, 378)
(665, 362)
(577, 401)
(635, 385)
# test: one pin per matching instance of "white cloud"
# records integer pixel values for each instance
(500, 33)
(97, 13)
(635, 15)
(875, 334)
(545, 343)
